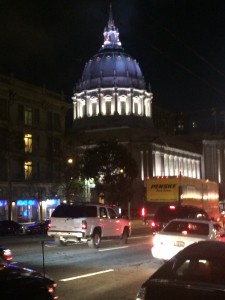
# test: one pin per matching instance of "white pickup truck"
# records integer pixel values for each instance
(179, 233)
(87, 222)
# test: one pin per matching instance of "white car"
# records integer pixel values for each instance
(179, 233)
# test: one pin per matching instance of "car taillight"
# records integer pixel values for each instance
(172, 207)
(153, 225)
(8, 254)
(84, 224)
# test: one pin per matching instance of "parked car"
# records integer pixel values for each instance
(195, 273)
(5, 255)
(179, 233)
(165, 213)
(38, 227)
(10, 227)
(25, 284)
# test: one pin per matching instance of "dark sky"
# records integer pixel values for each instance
(180, 45)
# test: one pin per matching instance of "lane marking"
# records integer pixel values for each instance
(114, 248)
(86, 275)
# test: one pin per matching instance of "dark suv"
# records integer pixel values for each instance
(168, 212)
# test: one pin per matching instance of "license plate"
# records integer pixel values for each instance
(179, 244)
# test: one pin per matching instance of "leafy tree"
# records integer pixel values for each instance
(113, 169)
(68, 185)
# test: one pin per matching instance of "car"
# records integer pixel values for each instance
(6, 255)
(38, 227)
(195, 273)
(87, 223)
(165, 213)
(21, 283)
(9, 227)
(179, 233)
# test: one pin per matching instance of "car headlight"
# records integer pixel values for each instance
(141, 294)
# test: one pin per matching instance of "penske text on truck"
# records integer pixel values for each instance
(184, 191)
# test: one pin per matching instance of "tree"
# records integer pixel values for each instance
(113, 169)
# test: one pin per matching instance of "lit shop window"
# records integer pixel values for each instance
(28, 170)
(28, 143)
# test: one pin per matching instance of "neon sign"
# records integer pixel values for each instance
(26, 202)
(3, 203)
(51, 202)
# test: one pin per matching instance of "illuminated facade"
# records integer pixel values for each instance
(111, 102)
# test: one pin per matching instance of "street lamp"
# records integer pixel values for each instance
(70, 161)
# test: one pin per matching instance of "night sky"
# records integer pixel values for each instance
(180, 45)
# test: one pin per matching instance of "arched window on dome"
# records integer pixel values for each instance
(147, 107)
(94, 110)
(108, 107)
(137, 110)
(122, 105)
(123, 108)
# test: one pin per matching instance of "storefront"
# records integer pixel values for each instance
(3, 209)
(27, 210)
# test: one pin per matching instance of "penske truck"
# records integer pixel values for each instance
(182, 191)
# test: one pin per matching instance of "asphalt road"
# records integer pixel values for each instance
(111, 272)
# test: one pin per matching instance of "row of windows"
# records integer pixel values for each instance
(27, 143)
(18, 170)
(30, 116)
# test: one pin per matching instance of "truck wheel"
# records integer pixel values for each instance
(124, 237)
(95, 240)
(58, 242)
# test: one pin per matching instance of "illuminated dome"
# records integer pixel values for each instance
(112, 83)
(111, 67)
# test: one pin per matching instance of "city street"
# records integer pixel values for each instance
(111, 272)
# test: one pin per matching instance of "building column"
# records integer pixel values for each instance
(131, 101)
(99, 102)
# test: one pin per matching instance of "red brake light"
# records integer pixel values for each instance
(84, 224)
(153, 225)
(143, 212)
(172, 207)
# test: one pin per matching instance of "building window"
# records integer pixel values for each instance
(36, 116)
(28, 143)
(57, 145)
(108, 107)
(136, 108)
(49, 120)
(28, 116)
(94, 109)
(56, 122)
(123, 107)
(20, 113)
(28, 170)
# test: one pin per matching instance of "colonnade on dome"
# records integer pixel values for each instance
(111, 101)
